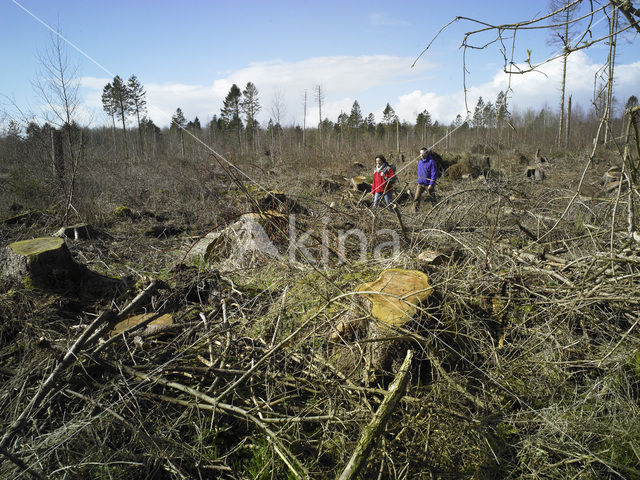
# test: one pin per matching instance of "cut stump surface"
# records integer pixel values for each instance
(400, 294)
(45, 260)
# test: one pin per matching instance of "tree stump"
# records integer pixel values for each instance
(80, 231)
(44, 261)
(395, 297)
(359, 183)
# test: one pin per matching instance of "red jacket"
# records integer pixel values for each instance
(382, 179)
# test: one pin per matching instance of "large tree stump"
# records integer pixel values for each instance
(396, 295)
(395, 298)
(44, 262)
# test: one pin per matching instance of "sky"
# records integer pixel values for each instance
(188, 54)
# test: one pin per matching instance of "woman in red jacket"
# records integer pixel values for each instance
(383, 179)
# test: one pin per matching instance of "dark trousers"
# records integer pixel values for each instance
(430, 197)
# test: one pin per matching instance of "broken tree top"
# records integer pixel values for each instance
(400, 294)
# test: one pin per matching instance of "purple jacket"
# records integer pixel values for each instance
(427, 171)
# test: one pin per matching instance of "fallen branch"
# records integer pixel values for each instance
(287, 457)
(20, 464)
(372, 431)
(49, 383)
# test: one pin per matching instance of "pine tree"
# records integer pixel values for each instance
(423, 122)
(137, 101)
(250, 105)
(355, 117)
(390, 121)
(502, 113)
(178, 123)
(355, 121)
(389, 116)
(109, 106)
(121, 100)
(214, 128)
(502, 109)
(488, 115)
(230, 112)
(370, 124)
(478, 114)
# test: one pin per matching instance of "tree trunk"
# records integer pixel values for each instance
(113, 131)
(564, 78)
(567, 130)
(304, 119)
(140, 132)
(611, 61)
(320, 118)
(57, 154)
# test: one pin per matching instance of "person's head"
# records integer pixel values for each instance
(380, 160)
(424, 152)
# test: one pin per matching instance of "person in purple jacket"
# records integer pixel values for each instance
(427, 176)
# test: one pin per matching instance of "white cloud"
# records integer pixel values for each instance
(373, 81)
(531, 90)
(341, 79)
(94, 82)
(383, 19)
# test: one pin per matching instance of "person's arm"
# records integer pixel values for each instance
(433, 174)
(390, 174)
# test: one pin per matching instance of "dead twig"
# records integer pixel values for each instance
(372, 431)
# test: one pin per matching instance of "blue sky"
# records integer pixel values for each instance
(188, 54)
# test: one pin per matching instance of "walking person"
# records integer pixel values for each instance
(383, 180)
(427, 176)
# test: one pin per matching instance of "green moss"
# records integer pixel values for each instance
(35, 246)
(27, 283)
(505, 430)
(309, 293)
(123, 211)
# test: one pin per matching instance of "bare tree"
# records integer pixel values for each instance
(304, 119)
(278, 111)
(57, 85)
(562, 34)
(319, 94)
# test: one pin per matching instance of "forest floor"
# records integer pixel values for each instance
(526, 357)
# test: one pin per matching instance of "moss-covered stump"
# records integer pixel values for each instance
(44, 262)
(395, 298)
